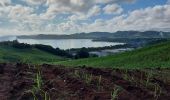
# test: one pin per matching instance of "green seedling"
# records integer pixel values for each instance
(126, 75)
(46, 96)
(130, 78)
(38, 80)
(100, 79)
(88, 78)
(37, 88)
(99, 82)
(149, 76)
(84, 76)
(77, 74)
(34, 95)
(114, 94)
(157, 91)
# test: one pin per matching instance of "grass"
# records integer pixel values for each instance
(149, 57)
(31, 55)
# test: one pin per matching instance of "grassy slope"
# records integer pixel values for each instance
(152, 56)
(10, 54)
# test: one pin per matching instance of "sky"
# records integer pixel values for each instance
(75, 16)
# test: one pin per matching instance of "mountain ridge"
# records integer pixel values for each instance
(96, 35)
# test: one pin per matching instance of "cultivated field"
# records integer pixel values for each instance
(49, 82)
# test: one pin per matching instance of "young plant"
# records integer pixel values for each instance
(88, 78)
(84, 76)
(141, 79)
(149, 76)
(38, 80)
(76, 74)
(100, 79)
(99, 82)
(125, 76)
(34, 95)
(37, 88)
(114, 94)
(157, 91)
(46, 96)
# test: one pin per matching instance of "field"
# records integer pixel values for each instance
(148, 57)
(32, 74)
(48, 82)
(28, 55)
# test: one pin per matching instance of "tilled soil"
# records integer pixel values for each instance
(19, 82)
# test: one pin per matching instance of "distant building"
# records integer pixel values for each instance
(110, 51)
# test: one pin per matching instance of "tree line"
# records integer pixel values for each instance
(82, 53)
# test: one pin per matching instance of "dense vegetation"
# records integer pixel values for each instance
(157, 55)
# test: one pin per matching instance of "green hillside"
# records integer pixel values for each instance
(152, 56)
(31, 55)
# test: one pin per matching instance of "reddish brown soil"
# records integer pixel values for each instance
(83, 83)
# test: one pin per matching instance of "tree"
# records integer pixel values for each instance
(82, 53)
(18, 45)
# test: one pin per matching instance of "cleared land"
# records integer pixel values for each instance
(47, 82)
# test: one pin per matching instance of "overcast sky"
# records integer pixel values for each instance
(74, 16)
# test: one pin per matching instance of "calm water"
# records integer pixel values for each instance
(63, 43)
(68, 43)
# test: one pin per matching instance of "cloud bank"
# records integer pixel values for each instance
(73, 16)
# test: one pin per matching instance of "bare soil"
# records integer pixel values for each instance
(17, 82)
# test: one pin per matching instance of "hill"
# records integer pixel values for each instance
(96, 35)
(152, 56)
(28, 55)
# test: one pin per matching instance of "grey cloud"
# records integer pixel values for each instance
(35, 2)
(113, 9)
(5, 2)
